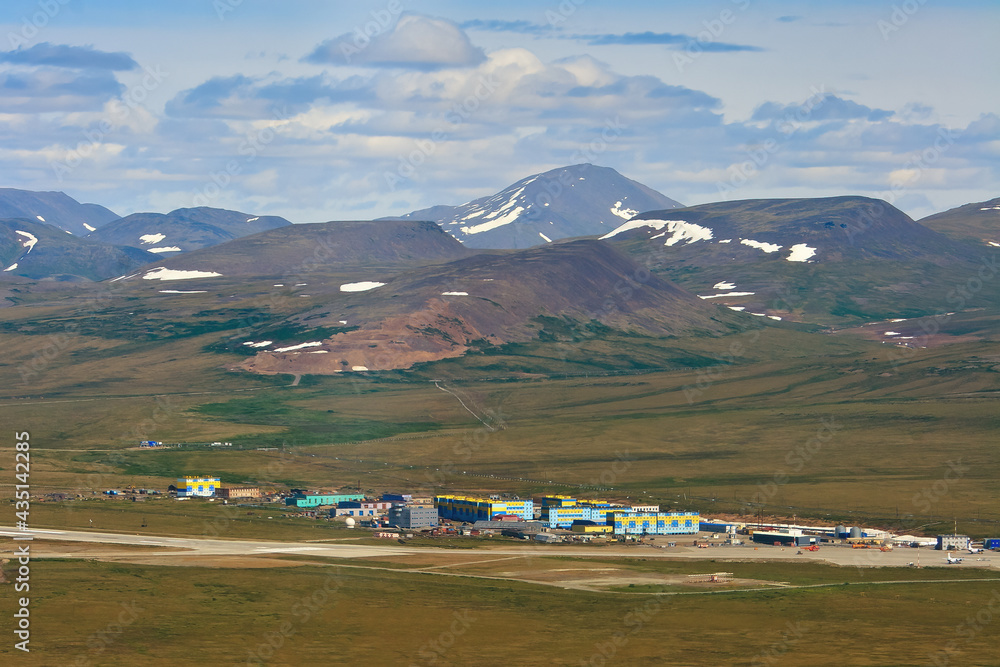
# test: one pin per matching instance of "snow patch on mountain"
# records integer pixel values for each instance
(299, 346)
(151, 239)
(762, 245)
(505, 216)
(800, 253)
(362, 286)
(679, 230)
(163, 273)
(169, 248)
(89, 228)
(40, 218)
(684, 231)
(11, 267)
(724, 285)
(624, 213)
(716, 296)
(547, 239)
(29, 240)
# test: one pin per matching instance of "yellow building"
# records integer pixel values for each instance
(591, 528)
(473, 508)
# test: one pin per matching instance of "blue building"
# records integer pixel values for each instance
(562, 511)
(472, 508)
(315, 500)
(197, 487)
(654, 523)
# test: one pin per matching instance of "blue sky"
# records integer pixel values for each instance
(321, 111)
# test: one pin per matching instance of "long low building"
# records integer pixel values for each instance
(473, 508)
(563, 511)
(236, 492)
(785, 537)
(530, 527)
(315, 500)
(654, 523)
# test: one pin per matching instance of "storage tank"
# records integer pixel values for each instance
(855, 531)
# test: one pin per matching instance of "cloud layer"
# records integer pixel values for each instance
(415, 114)
(415, 42)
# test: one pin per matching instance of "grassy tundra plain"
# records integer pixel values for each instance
(830, 427)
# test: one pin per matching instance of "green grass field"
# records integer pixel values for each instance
(92, 613)
(813, 425)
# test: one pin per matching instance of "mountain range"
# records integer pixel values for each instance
(35, 250)
(391, 293)
(184, 230)
(54, 208)
(332, 247)
(579, 200)
(444, 310)
(816, 260)
(977, 223)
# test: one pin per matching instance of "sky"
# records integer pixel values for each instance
(317, 110)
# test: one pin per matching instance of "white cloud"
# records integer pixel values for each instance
(415, 42)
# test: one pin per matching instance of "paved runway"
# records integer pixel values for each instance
(843, 556)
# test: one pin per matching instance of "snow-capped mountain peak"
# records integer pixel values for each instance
(580, 200)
